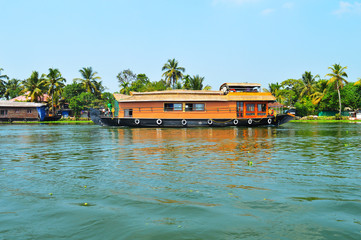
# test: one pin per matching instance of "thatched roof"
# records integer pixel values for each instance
(192, 96)
(20, 104)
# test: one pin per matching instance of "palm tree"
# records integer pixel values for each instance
(89, 80)
(358, 82)
(13, 88)
(196, 82)
(273, 88)
(2, 83)
(320, 91)
(34, 87)
(55, 85)
(172, 72)
(309, 83)
(337, 78)
(3, 76)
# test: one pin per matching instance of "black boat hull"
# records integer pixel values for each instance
(183, 123)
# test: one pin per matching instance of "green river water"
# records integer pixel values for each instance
(297, 181)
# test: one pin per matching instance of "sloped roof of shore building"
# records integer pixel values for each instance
(20, 104)
(193, 95)
(25, 97)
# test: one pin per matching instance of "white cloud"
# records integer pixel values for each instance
(288, 5)
(237, 2)
(267, 11)
(347, 7)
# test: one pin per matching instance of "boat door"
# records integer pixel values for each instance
(240, 109)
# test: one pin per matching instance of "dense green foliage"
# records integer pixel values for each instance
(79, 102)
(310, 94)
(174, 79)
(13, 89)
(59, 94)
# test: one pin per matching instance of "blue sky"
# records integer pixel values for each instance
(261, 41)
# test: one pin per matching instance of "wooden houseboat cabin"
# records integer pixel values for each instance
(235, 104)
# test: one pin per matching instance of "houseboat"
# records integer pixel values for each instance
(235, 104)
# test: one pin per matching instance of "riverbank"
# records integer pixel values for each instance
(325, 121)
(52, 122)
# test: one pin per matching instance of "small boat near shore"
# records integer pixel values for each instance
(235, 104)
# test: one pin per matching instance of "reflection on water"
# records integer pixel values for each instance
(298, 181)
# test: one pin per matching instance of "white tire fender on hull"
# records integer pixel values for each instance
(235, 121)
(159, 121)
(137, 121)
(269, 121)
(210, 122)
(249, 121)
(184, 122)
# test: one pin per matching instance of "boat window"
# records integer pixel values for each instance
(239, 109)
(194, 107)
(128, 112)
(173, 107)
(3, 112)
(261, 107)
(250, 109)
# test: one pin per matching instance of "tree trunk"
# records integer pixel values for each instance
(52, 102)
(339, 96)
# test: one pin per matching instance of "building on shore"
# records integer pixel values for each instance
(21, 111)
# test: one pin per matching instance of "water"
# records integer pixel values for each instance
(298, 181)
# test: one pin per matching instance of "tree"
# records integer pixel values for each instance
(140, 84)
(320, 91)
(337, 77)
(156, 86)
(2, 83)
(13, 89)
(89, 81)
(273, 88)
(358, 82)
(55, 85)
(276, 90)
(72, 90)
(107, 97)
(193, 83)
(290, 91)
(80, 102)
(125, 79)
(309, 82)
(172, 72)
(34, 87)
(305, 107)
(351, 96)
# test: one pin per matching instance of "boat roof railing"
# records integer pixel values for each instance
(240, 87)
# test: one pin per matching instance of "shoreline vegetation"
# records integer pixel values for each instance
(88, 91)
(309, 95)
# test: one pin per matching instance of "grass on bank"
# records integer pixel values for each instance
(320, 119)
(60, 121)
